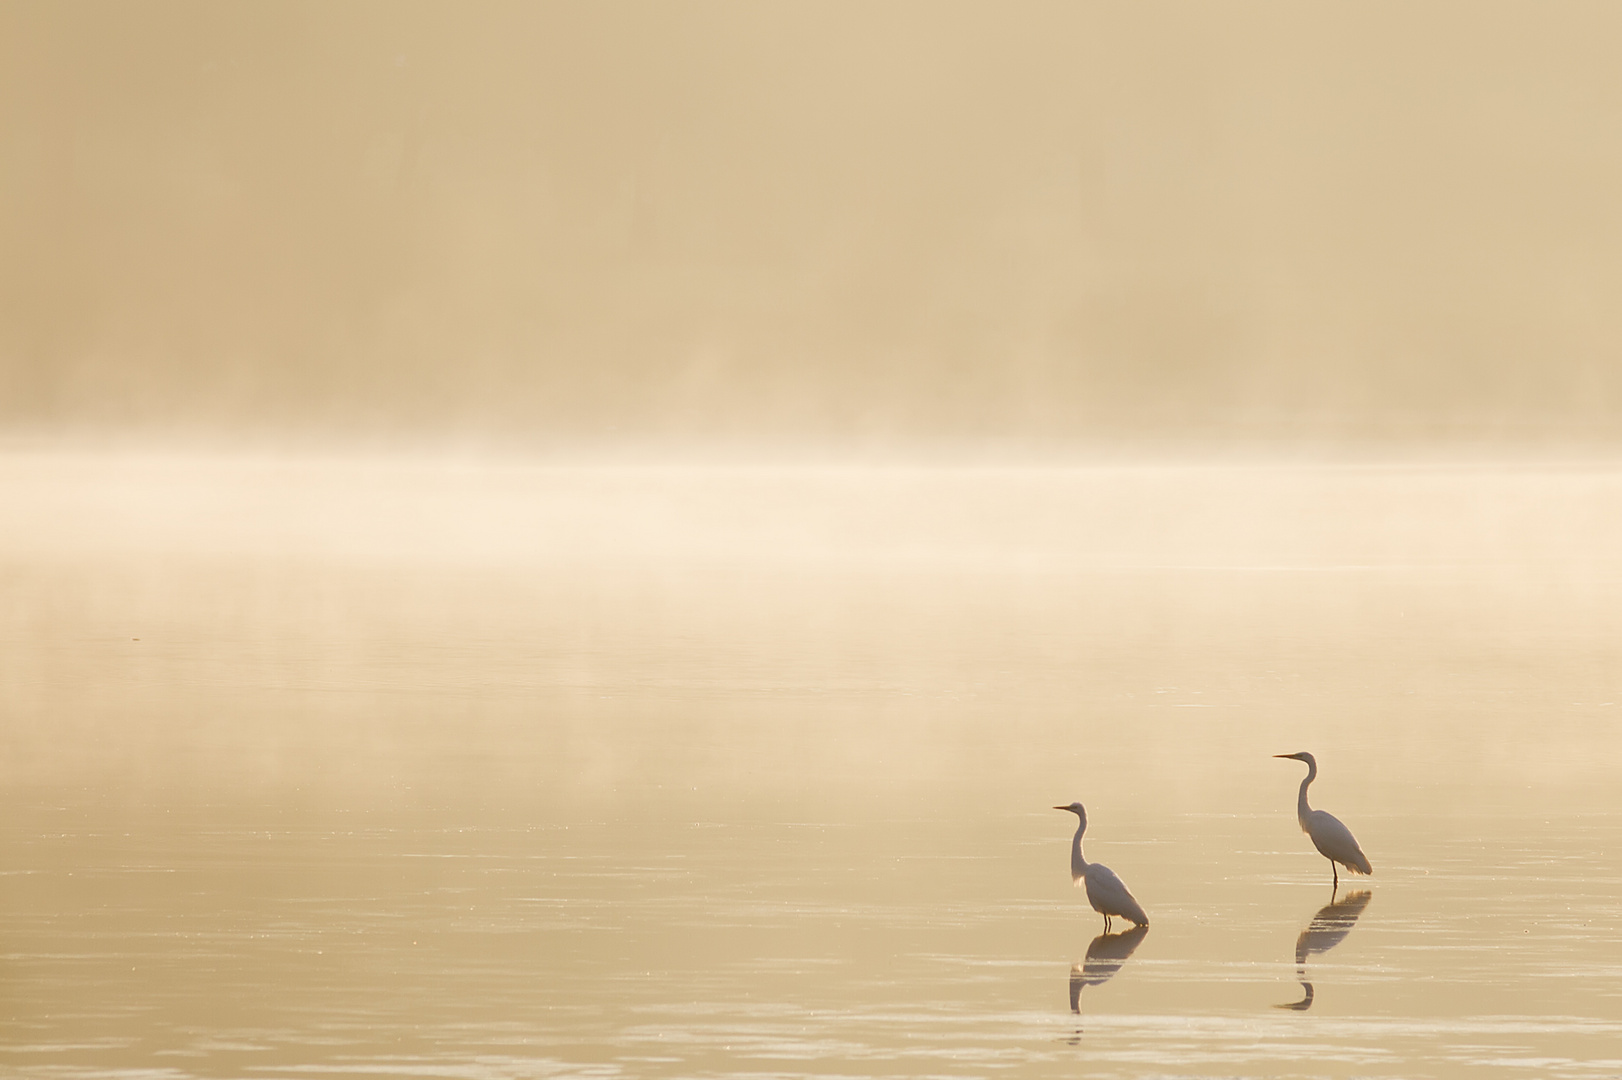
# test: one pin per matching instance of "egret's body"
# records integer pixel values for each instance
(1333, 840)
(1106, 892)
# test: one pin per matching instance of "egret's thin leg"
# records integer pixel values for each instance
(1333, 869)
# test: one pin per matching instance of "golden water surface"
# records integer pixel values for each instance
(469, 770)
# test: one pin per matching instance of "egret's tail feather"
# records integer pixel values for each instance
(1360, 866)
(1135, 912)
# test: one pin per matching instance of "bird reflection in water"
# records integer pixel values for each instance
(1327, 929)
(1104, 958)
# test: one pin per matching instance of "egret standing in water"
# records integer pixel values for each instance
(1333, 840)
(1105, 892)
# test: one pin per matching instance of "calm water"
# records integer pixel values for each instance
(395, 769)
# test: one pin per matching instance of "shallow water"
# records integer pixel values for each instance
(347, 769)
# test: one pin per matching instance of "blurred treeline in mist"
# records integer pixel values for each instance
(1054, 224)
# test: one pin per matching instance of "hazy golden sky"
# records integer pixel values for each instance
(871, 222)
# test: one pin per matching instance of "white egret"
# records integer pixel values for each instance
(1105, 892)
(1333, 840)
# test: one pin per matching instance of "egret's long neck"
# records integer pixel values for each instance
(1301, 807)
(1078, 861)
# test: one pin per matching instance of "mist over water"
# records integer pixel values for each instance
(605, 634)
(586, 540)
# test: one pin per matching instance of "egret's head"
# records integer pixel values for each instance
(1074, 808)
(1301, 756)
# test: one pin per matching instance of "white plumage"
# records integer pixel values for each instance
(1106, 892)
(1333, 840)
